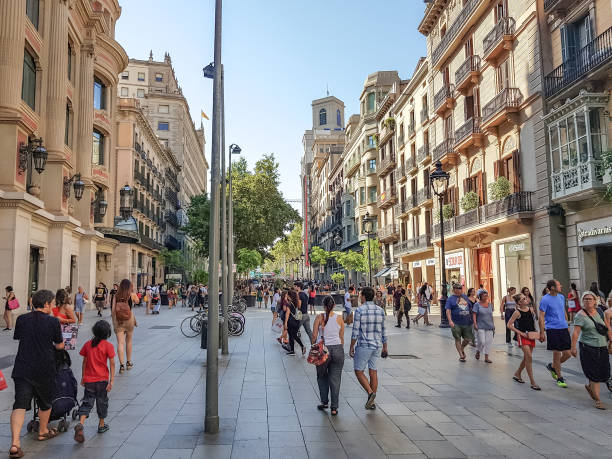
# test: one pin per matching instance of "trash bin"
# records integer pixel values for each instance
(164, 298)
(250, 300)
(204, 342)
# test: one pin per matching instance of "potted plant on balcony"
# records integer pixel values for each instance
(500, 189)
(469, 201)
(448, 212)
(390, 123)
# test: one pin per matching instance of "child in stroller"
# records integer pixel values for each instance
(65, 395)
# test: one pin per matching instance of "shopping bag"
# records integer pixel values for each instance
(3, 384)
(13, 304)
(69, 334)
(277, 326)
(318, 355)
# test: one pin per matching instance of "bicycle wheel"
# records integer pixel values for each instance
(241, 306)
(239, 327)
(196, 323)
(186, 328)
(232, 325)
(239, 316)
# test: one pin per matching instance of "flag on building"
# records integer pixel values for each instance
(205, 116)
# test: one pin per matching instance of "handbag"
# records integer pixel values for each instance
(601, 329)
(277, 326)
(533, 335)
(3, 384)
(13, 304)
(319, 354)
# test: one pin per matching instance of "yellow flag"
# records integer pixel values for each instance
(204, 115)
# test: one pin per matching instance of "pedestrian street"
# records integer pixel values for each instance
(428, 404)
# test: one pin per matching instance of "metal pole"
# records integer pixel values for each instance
(370, 259)
(211, 419)
(230, 243)
(443, 319)
(224, 271)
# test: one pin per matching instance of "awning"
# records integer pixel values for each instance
(382, 272)
(393, 273)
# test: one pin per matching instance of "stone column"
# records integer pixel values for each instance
(12, 26)
(84, 126)
(55, 114)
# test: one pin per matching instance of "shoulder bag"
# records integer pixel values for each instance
(319, 354)
(601, 329)
(13, 304)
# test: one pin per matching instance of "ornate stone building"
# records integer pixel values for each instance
(59, 71)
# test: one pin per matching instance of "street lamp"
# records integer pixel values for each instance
(126, 195)
(77, 184)
(234, 150)
(439, 184)
(368, 228)
(33, 152)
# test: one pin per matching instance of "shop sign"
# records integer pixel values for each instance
(454, 260)
(416, 264)
(430, 262)
(517, 248)
(595, 232)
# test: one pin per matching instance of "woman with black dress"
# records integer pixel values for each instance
(292, 323)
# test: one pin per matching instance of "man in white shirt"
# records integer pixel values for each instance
(348, 305)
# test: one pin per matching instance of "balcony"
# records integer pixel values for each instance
(173, 198)
(469, 134)
(172, 243)
(410, 164)
(403, 208)
(411, 130)
(444, 99)
(581, 65)
(556, 6)
(387, 198)
(150, 244)
(400, 174)
(412, 245)
(423, 154)
(518, 205)
(171, 219)
(499, 40)
(352, 165)
(468, 74)
(446, 147)
(498, 110)
(423, 195)
(578, 182)
(385, 165)
(424, 115)
(388, 233)
(463, 21)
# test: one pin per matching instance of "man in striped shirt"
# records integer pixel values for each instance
(369, 334)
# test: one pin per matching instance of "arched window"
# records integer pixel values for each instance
(322, 117)
(338, 118)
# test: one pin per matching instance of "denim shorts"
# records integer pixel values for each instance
(365, 356)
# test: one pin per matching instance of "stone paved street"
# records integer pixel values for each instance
(428, 406)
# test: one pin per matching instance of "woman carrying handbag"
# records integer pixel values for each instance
(11, 304)
(328, 330)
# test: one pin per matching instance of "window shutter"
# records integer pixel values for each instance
(516, 165)
(466, 185)
(564, 42)
(496, 169)
(479, 179)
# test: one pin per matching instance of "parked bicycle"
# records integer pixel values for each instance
(192, 326)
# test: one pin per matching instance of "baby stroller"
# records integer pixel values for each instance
(65, 395)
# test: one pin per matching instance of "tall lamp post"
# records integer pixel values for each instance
(234, 150)
(338, 242)
(368, 228)
(439, 184)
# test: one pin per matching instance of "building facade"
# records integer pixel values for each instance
(577, 87)
(155, 85)
(59, 71)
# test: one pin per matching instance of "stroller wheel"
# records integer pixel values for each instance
(75, 414)
(30, 426)
(62, 426)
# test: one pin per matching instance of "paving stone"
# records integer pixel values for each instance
(287, 440)
(250, 449)
(331, 450)
(296, 452)
(283, 424)
(433, 416)
(449, 428)
(419, 432)
(358, 445)
(319, 434)
(439, 449)
(396, 443)
(172, 454)
(178, 441)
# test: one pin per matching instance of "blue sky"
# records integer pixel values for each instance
(278, 55)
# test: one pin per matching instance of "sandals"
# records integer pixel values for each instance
(78, 433)
(477, 356)
(462, 359)
(52, 433)
(334, 411)
(535, 387)
(518, 380)
(17, 454)
(129, 365)
(488, 361)
(121, 369)
(322, 406)
(599, 405)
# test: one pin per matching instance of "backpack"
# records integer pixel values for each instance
(405, 302)
(123, 312)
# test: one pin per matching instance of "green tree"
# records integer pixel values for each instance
(350, 260)
(199, 222)
(338, 278)
(375, 255)
(173, 260)
(284, 249)
(319, 256)
(247, 260)
(200, 276)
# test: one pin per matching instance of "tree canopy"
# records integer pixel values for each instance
(261, 213)
(248, 259)
(284, 249)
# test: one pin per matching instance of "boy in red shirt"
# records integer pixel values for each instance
(96, 378)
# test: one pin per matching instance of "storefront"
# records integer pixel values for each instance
(455, 267)
(424, 271)
(595, 241)
(515, 264)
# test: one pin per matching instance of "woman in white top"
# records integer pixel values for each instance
(329, 328)
(275, 304)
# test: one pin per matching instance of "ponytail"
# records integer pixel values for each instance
(101, 331)
(329, 304)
